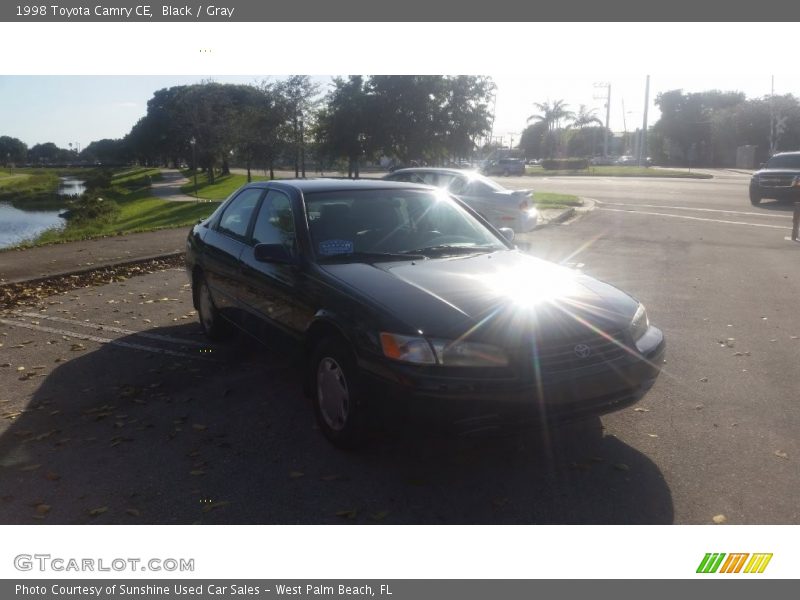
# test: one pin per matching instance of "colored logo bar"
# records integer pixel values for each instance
(734, 563)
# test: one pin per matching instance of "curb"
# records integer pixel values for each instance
(92, 269)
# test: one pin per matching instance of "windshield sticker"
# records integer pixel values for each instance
(331, 247)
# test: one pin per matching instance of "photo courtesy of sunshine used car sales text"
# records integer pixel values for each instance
(73, 590)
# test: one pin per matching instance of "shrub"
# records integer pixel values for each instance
(565, 164)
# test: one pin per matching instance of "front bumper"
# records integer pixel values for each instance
(402, 393)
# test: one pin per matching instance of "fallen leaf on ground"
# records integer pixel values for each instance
(331, 477)
(719, 519)
(30, 467)
(640, 409)
(199, 427)
(42, 509)
(197, 472)
(132, 512)
(98, 511)
(296, 474)
(622, 467)
(347, 514)
(780, 454)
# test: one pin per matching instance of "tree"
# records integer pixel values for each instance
(344, 124)
(551, 114)
(47, 153)
(12, 150)
(686, 123)
(585, 117)
(259, 126)
(300, 95)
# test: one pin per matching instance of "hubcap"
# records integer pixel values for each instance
(206, 307)
(332, 392)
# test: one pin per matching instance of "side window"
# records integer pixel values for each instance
(275, 221)
(237, 215)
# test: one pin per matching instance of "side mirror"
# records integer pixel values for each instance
(273, 253)
(508, 233)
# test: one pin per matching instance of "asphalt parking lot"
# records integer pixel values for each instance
(139, 421)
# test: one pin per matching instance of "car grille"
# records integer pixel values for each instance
(580, 353)
(775, 181)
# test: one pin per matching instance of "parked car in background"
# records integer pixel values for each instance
(401, 303)
(504, 166)
(778, 179)
(496, 204)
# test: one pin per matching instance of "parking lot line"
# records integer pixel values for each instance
(642, 212)
(153, 336)
(100, 340)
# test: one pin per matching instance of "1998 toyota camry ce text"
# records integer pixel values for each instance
(405, 302)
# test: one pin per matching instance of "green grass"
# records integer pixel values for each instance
(617, 171)
(222, 187)
(138, 211)
(553, 200)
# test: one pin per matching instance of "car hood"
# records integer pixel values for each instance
(488, 295)
(785, 171)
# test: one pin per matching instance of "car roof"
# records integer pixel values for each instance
(330, 184)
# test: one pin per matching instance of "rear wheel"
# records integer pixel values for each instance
(755, 197)
(214, 325)
(339, 405)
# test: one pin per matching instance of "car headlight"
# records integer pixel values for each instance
(468, 354)
(640, 323)
(407, 349)
(421, 351)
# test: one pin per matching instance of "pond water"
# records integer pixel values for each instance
(18, 225)
(71, 186)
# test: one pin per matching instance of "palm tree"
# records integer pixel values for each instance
(585, 117)
(551, 114)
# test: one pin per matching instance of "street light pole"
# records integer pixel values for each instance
(193, 143)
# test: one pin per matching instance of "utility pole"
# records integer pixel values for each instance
(643, 135)
(607, 87)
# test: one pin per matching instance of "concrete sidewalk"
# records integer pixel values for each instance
(169, 186)
(70, 257)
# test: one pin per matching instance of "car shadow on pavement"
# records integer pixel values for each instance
(223, 434)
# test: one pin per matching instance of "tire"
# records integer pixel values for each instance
(339, 405)
(214, 325)
(755, 198)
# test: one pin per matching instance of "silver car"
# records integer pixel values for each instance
(496, 204)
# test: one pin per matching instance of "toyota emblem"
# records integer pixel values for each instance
(582, 350)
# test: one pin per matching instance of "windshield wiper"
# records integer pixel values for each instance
(371, 256)
(451, 249)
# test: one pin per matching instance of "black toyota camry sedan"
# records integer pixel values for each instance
(403, 302)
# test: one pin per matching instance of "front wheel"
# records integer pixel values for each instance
(755, 198)
(338, 403)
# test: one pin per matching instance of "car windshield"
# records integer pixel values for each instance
(486, 181)
(787, 161)
(393, 223)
